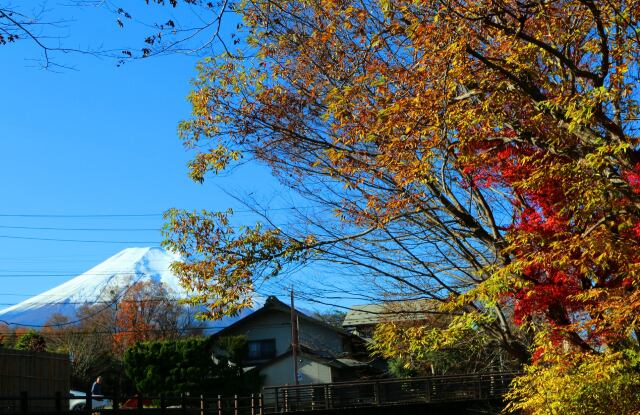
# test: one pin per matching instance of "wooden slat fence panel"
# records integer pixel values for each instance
(387, 392)
(40, 375)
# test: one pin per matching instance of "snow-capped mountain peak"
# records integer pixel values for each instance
(99, 284)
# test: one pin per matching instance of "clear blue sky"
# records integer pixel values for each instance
(95, 140)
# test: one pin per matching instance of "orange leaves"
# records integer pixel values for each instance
(145, 312)
(498, 137)
(220, 263)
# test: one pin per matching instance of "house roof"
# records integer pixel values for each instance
(360, 315)
(341, 363)
(371, 314)
(273, 304)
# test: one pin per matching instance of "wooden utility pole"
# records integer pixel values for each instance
(294, 339)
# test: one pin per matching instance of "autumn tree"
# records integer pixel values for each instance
(418, 340)
(146, 311)
(6, 338)
(333, 318)
(354, 139)
(481, 154)
(87, 339)
(31, 341)
(159, 27)
(98, 335)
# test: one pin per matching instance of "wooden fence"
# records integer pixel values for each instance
(326, 398)
(37, 374)
(387, 392)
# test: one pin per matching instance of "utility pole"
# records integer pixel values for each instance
(294, 339)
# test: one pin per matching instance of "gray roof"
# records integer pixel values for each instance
(273, 304)
(371, 314)
(352, 362)
(365, 314)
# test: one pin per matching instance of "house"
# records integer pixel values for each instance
(325, 354)
(361, 320)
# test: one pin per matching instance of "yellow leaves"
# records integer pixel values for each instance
(427, 343)
(216, 159)
(386, 7)
(579, 384)
(402, 103)
(220, 263)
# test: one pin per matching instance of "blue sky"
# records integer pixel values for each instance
(98, 139)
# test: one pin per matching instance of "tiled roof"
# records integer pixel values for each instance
(370, 314)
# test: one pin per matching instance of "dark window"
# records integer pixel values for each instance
(262, 349)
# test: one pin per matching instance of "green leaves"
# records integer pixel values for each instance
(188, 365)
(222, 262)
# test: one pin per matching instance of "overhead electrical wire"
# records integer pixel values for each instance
(85, 332)
(77, 240)
(90, 215)
(152, 300)
(106, 332)
(45, 228)
(89, 274)
(68, 323)
(135, 215)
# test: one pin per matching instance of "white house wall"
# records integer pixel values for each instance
(309, 372)
(277, 325)
(274, 325)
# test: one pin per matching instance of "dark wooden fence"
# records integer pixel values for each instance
(388, 392)
(330, 397)
(36, 374)
(64, 404)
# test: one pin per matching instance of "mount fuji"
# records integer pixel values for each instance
(99, 284)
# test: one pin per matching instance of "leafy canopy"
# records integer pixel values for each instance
(481, 154)
(187, 365)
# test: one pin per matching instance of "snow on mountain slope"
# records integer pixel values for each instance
(99, 284)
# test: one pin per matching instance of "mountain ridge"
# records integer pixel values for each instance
(101, 283)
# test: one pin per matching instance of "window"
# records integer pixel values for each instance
(262, 349)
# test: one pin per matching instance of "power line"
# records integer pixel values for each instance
(92, 274)
(103, 332)
(153, 300)
(136, 215)
(78, 240)
(113, 332)
(68, 323)
(91, 215)
(44, 228)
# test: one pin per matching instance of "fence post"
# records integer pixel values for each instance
(140, 403)
(183, 403)
(58, 403)
(286, 399)
(235, 404)
(276, 395)
(115, 403)
(253, 405)
(261, 404)
(428, 389)
(219, 405)
(202, 405)
(376, 392)
(327, 398)
(163, 404)
(24, 402)
(88, 403)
